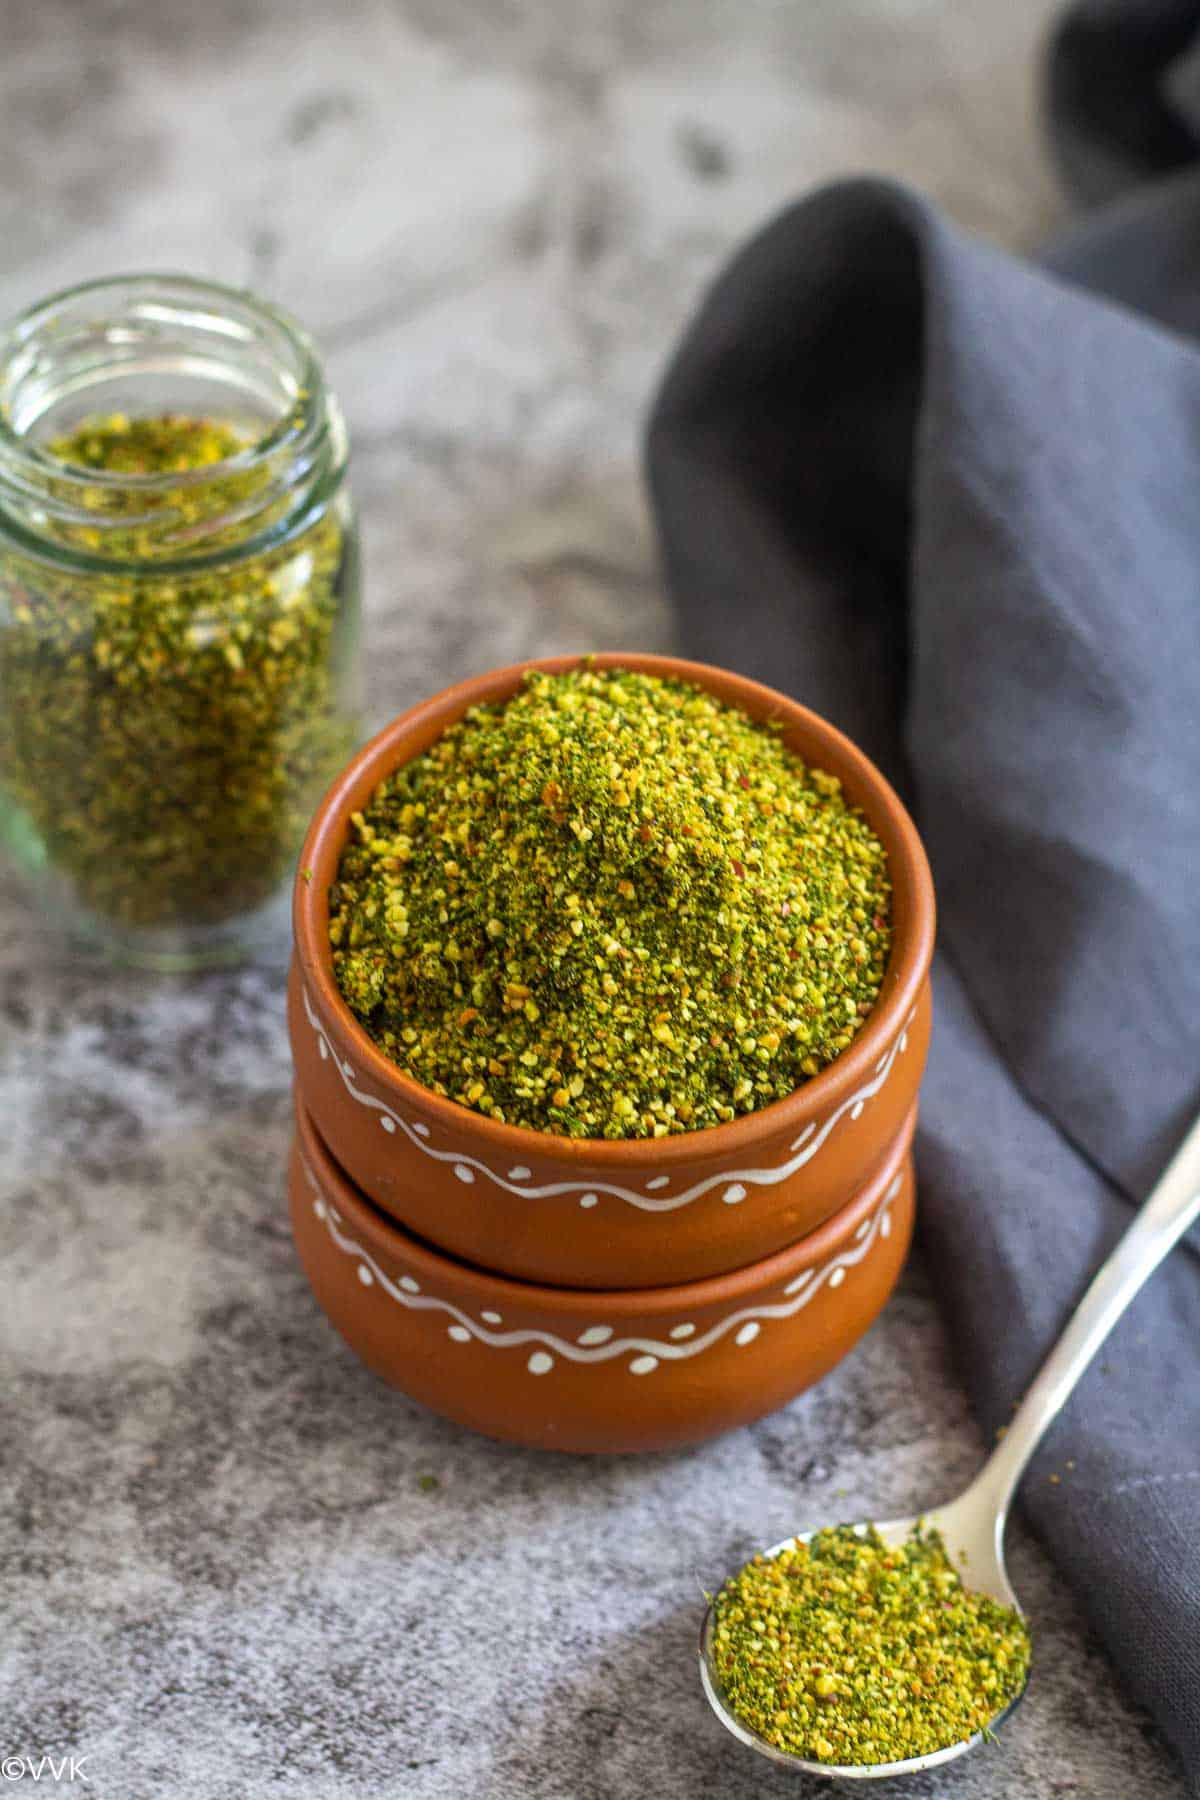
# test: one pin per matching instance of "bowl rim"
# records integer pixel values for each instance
(907, 967)
(387, 1237)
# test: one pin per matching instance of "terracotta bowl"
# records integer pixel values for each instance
(587, 1212)
(573, 1369)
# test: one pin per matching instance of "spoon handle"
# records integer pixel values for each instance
(1158, 1225)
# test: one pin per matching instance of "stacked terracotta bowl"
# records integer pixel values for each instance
(584, 1294)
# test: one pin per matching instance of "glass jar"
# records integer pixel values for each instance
(178, 635)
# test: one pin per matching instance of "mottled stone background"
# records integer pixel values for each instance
(223, 1573)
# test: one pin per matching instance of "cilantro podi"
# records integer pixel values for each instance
(611, 906)
(848, 1650)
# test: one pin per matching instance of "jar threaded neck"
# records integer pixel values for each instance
(165, 345)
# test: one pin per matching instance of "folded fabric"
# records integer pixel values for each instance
(952, 501)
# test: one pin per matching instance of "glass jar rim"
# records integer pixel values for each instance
(305, 444)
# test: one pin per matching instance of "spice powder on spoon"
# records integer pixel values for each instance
(847, 1650)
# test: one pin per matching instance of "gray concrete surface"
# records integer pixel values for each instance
(222, 1573)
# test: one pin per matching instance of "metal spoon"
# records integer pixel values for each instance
(973, 1525)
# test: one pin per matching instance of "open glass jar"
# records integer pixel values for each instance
(178, 610)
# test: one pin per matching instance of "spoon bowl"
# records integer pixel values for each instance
(967, 1528)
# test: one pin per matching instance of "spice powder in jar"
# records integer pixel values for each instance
(178, 610)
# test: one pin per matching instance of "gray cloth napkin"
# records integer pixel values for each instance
(952, 501)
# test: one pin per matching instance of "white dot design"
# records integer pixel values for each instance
(652, 1196)
(598, 1342)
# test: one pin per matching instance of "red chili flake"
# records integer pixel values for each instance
(552, 797)
(880, 921)
(743, 781)
(737, 867)
(645, 833)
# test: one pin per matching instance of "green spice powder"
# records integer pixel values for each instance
(611, 906)
(166, 734)
(845, 1651)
